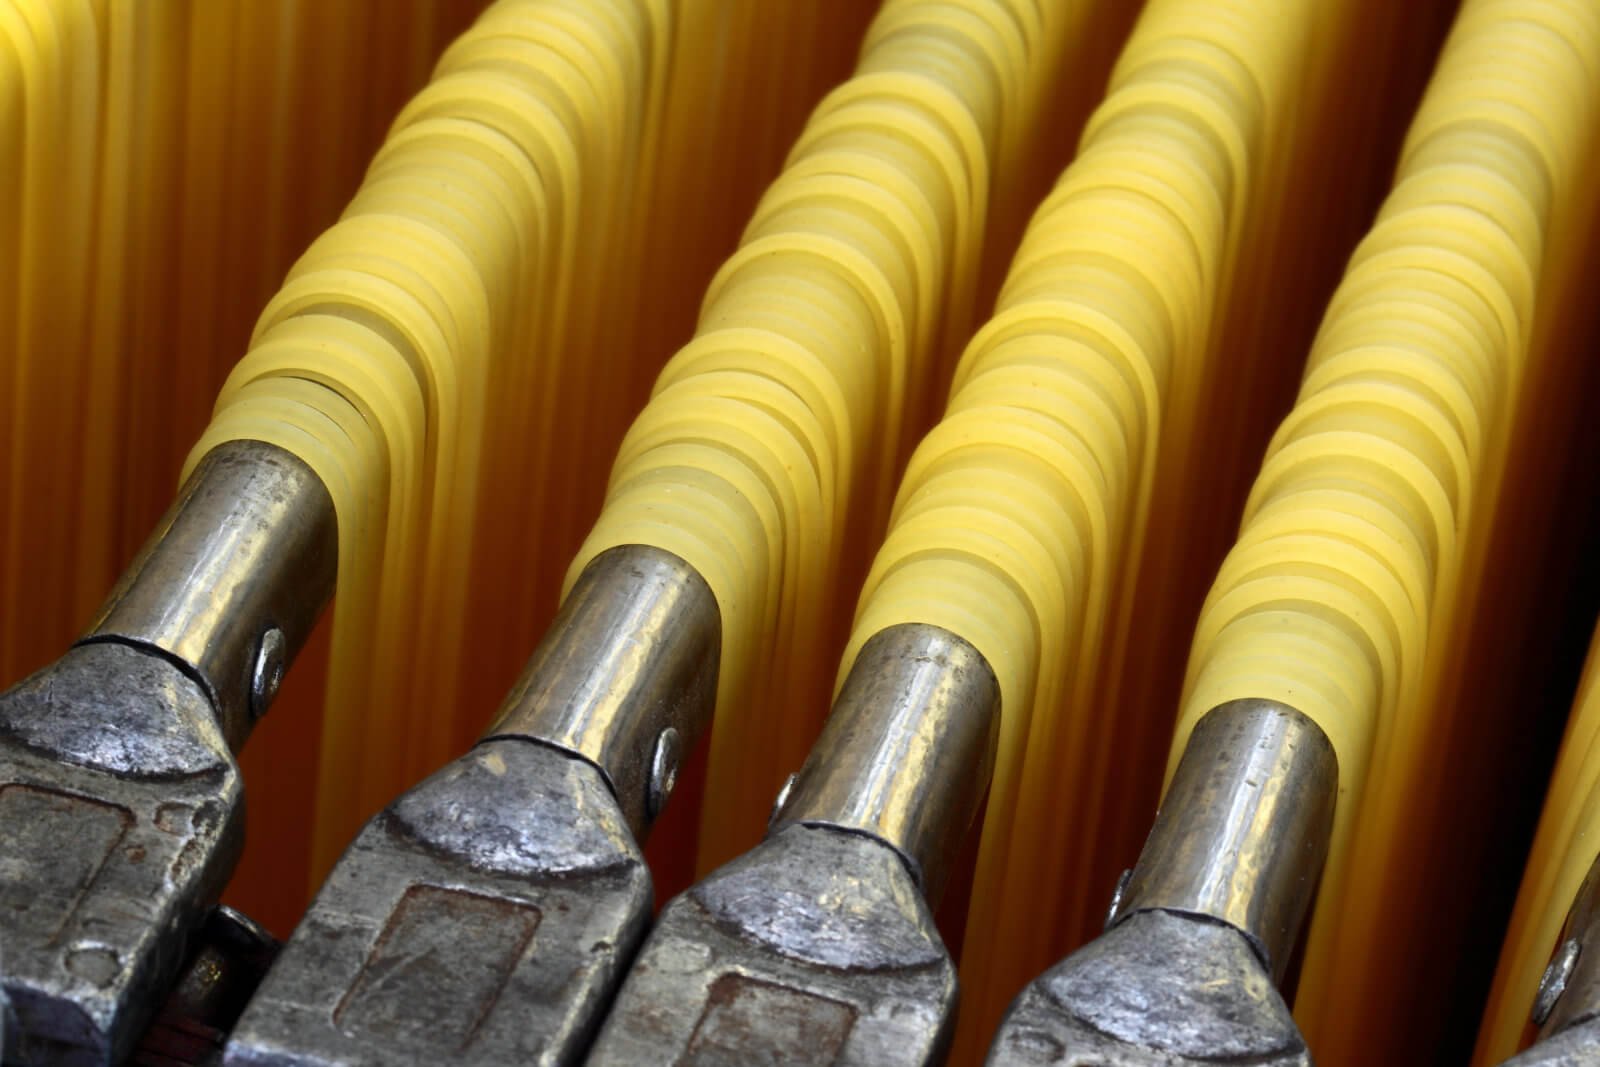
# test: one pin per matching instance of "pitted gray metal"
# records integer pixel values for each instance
(482, 918)
(119, 795)
(487, 915)
(1207, 918)
(814, 947)
(1569, 1033)
(123, 815)
(1576, 1046)
(1159, 990)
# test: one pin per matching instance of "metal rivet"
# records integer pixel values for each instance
(1554, 982)
(783, 797)
(268, 672)
(1116, 896)
(663, 771)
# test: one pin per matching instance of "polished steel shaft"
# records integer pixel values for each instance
(487, 914)
(626, 677)
(119, 793)
(907, 752)
(1244, 828)
(818, 945)
(232, 581)
(1210, 914)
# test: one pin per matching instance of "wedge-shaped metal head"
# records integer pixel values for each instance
(814, 947)
(1158, 989)
(122, 813)
(482, 918)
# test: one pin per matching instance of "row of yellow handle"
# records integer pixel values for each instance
(458, 356)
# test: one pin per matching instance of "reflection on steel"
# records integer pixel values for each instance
(242, 564)
(907, 753)
(119, 795)
(633, 653)
(814, 947)
(1159, 990)
(1244, 828)
(231, 954)
(1208, 916)
(486, 916)
(1569, 1034)
(817, 946)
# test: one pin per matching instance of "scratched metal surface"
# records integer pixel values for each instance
(124, 816)
(814, 947)
(1158, 990)
(482, 918)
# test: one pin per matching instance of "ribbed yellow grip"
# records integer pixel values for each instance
(1019, 522)
(457, 354)
(767, 454)
(1363, 537)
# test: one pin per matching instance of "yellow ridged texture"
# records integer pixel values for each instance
(440, 354)
(1363, 544)
(1564, 849)
(535, 232)
(150, 152)
(816, 295)
(160, 166)
(1021, 516)
(768, 452)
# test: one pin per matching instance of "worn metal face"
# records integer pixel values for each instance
(482, 918)
(1576, 1046)
(121, 817)
(816, 946)
(1158, 989)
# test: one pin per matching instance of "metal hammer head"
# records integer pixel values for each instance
(486, 916)
(1158, 989)
(482, 918)
(1208, 917)
(120, 801)
(816, 946)
(123, 817)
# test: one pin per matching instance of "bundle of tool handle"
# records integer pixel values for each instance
(1072, 521)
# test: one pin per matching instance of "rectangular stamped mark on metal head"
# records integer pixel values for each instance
(749, 1021)
(410, 991)
(60, 842)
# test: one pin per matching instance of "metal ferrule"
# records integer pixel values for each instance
(1244, 828)
(907, 753)
(233, 579)
(1208, 917)
(121, 799)
(818, 946)
(626, 676)
(487, 914)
